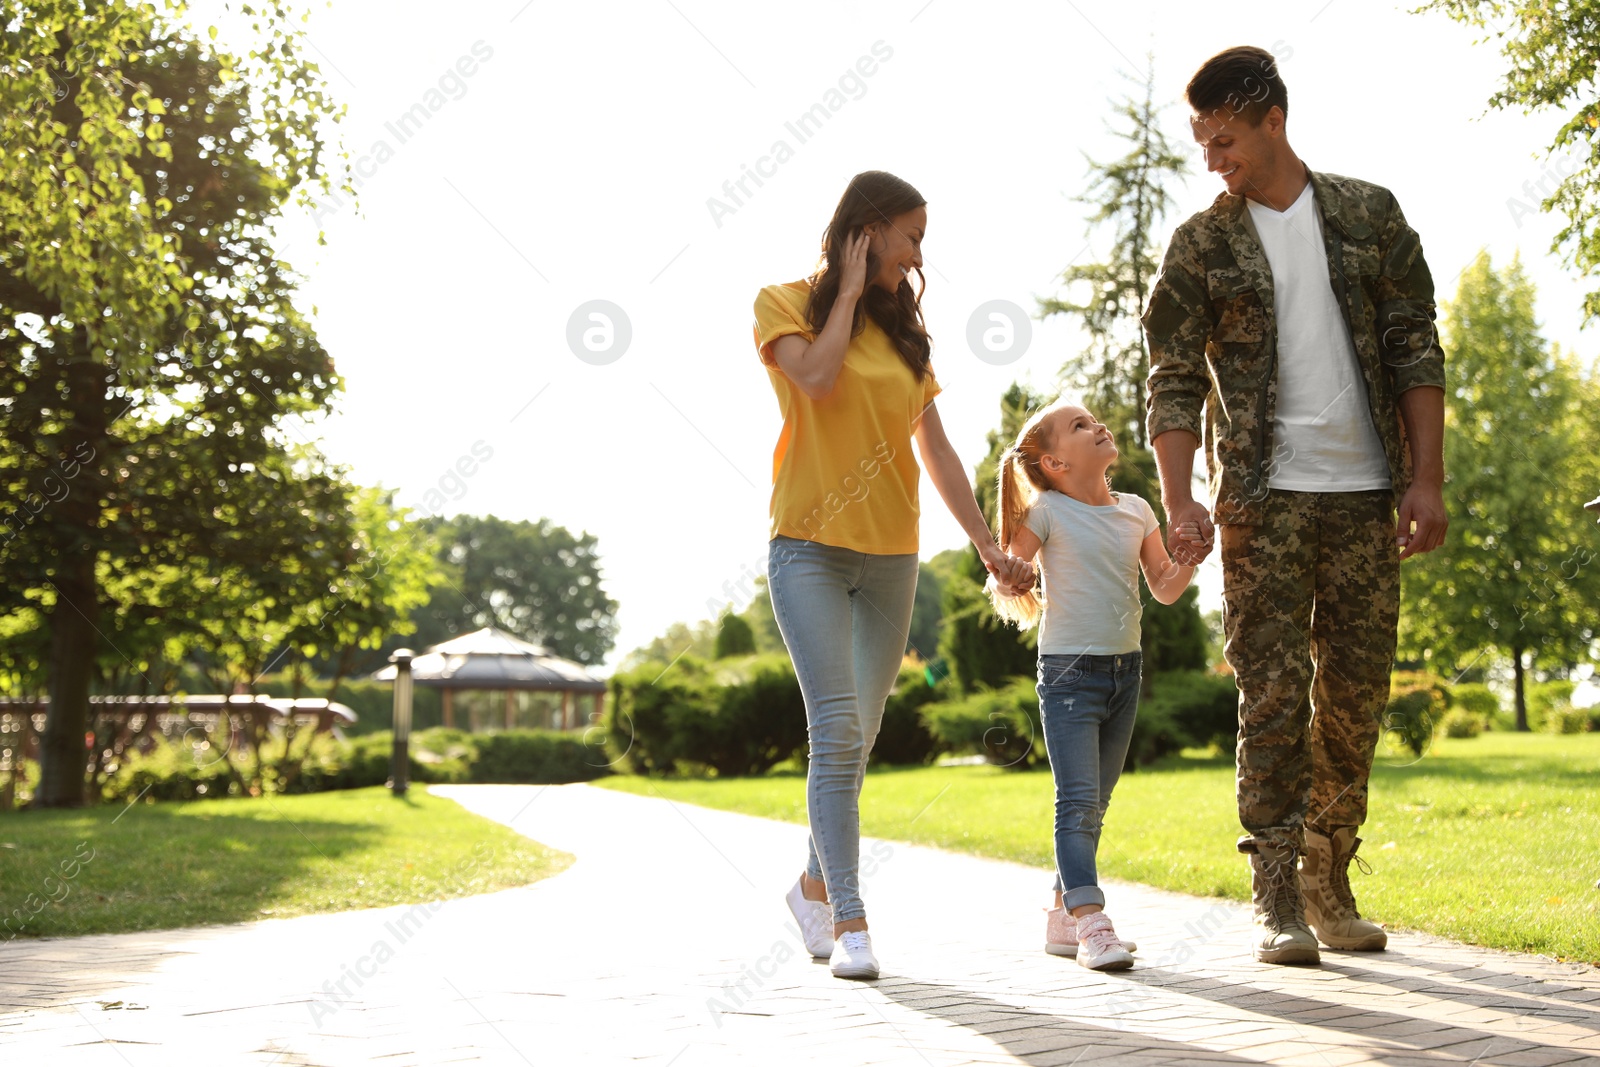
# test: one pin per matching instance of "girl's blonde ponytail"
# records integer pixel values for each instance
(1020, 481)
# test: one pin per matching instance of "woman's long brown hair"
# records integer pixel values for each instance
(873, 196)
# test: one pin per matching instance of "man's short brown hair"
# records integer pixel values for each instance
(1240, 81)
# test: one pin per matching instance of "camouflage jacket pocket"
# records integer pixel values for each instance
(1241, 341)
(1240, 317)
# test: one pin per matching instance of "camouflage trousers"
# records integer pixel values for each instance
(1311, 601)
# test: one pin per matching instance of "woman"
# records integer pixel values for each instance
(848, 357)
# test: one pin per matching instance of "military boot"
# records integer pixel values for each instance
(1281, 932)
(1330, 904)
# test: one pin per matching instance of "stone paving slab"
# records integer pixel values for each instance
(668, 943)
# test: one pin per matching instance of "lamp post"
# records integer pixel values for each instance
(400, 761)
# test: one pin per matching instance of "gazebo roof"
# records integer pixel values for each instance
(493, 659)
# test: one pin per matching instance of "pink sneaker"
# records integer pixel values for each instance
(1061, 934)
(1099, 948)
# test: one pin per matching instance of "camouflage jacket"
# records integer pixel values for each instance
(1213, 335)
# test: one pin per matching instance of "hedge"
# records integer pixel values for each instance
(177, 771)
(903, 737)
(738, 716)
(1002, 724)
(1184, 709)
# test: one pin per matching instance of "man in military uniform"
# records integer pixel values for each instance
(1297, 311)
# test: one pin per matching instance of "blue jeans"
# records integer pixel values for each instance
(1087, 705)
(845, 617)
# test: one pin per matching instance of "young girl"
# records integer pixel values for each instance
(1090, 544)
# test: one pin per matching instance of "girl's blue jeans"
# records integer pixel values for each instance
(1087, 706)
(845, 617)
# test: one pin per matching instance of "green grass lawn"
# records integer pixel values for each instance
(156, 866)
(1493, 840)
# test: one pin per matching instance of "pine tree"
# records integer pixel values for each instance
(1128, 195)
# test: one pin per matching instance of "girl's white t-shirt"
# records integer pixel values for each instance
(1089, 560)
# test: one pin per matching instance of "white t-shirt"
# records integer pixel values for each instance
(1322, 431)
(1089, 559)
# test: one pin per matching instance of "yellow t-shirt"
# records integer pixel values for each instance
(843, 472)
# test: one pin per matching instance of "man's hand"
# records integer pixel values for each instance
(1190, 533)
(1194, 546)
(1422, 520)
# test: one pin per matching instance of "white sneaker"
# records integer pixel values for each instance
(816, 922)
(852, 956)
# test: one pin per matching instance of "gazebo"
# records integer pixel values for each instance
(492, 661)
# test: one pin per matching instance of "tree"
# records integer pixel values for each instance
(535, 579)
(734, 637)
(1130, 196)
(927, 612)
(149, 341)
(1520, 572)
(698, 640)
(763, 623)
(1553, 50)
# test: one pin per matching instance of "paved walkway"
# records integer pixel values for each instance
(667, 943)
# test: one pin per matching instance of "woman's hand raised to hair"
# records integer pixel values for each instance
(853, 273)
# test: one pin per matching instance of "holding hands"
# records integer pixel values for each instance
(1190, 534)
(1189, 544)
(1012, 575)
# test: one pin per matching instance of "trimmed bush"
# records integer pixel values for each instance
(536, 756)
(1409, 720)
(640, 712)
(445, 753)
(1417, 703)
(367, 758)
(1477, 698)
(754, 720)
(1565, 719)
(1156, 733)
(173, 771)
(1544, 696)
(1002, 725)
(740, 716)
(1202, 707)
(904, 738)
(1474, 697)
(1459, 722)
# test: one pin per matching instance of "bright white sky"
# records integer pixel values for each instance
(575, 164)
